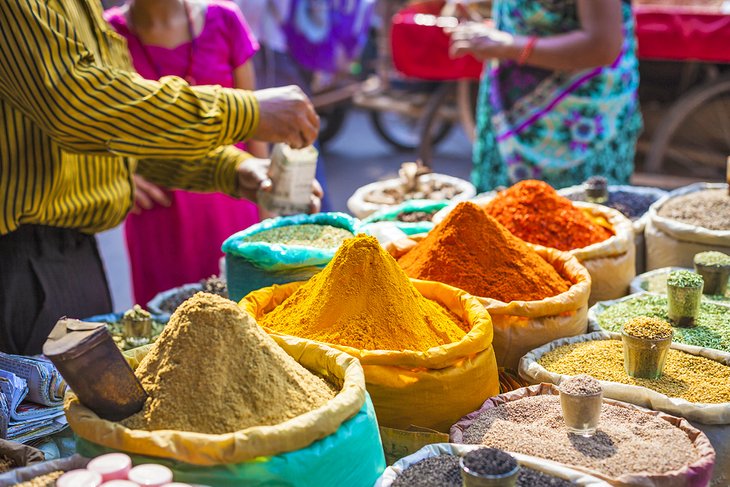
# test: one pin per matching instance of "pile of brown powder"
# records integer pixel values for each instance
(627, 441)
(214, 370)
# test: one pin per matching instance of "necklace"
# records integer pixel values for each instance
(191, 52)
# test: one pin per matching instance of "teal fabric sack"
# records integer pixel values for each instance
(254, 265)
(410, 206)
(352, 456)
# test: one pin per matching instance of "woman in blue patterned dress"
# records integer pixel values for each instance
(558, 96)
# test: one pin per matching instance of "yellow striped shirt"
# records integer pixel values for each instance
(76, 121)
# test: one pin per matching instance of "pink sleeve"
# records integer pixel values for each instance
(243, 45)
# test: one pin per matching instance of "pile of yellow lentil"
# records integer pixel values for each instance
(648, 328)
(686, 376)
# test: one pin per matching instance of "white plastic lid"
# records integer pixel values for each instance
(120, 483)
(79, 478)
(177, 484)
(112, 466)
(150, 475)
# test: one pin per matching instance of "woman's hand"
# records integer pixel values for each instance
(481, 41)
(253, 177)
(147, 194)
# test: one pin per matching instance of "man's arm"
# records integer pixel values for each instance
(48, 75)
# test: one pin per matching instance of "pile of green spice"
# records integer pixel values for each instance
(306, 235)
(712, 259)
(709, 208)
(711, 330)
(444, 471)
(685, 376)
(685, 279)
(648, 328)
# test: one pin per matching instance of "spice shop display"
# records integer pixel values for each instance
(412, 184)
(684, 295)
(533, 294)
(416, 340)
(307, 415)
(631, 445)
(694, 385)
(581, 398)
(259, 256)
(688, 221)
(437, 465)
(711, 328)
(714, 267)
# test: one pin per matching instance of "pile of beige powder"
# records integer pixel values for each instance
(214, 370)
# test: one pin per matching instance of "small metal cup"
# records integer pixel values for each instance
(715, 277)
(137, 331)
(473, 479)
(581, 413)
(683, 304)
(644, 359)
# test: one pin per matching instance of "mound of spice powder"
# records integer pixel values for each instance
(472, 251)
(709, 208)
(536, 213)
(362, 299)
(627, 440)
(685, 376)
(648, 328)
(214, 370)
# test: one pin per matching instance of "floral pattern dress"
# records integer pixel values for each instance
(560, 127)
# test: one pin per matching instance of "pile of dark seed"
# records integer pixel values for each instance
(212, 285)
(441, 471)
(489, 461)
(416, 216)
(632, 205)
(532, 478)
(444, 471)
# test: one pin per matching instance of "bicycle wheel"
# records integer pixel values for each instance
(331, 121)
(694, 136)
(404, 132)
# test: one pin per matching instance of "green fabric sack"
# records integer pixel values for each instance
(352, 456)
(410, 206)
(255, 265)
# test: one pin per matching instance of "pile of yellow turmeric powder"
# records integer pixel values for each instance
(364, 300)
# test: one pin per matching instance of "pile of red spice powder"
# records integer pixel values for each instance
(536, 213)
(472, 251)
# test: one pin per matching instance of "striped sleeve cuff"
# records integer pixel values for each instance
(225, 177)
(242, 116)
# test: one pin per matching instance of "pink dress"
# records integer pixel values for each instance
(172, 246)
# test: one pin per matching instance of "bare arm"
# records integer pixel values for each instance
(597, 43)
(244, 78)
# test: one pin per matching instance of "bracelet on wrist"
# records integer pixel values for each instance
(527, 50)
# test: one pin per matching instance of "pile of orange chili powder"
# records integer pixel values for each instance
(536, 213)
(472, 251)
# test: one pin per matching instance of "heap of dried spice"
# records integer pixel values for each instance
(648, 328)
(536, 213)
(362, 299)
(472, 251)
(709, 208)
(213, 370)
(711, 330)
(305, 235)
(685, 376)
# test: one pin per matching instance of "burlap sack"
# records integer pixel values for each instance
(670, 243)
(695, 475)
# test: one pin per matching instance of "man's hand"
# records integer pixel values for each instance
(253, 177)
(286, 115)
(146, 195)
